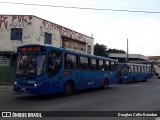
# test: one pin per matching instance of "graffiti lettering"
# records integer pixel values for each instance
(38, 39)
(21, 19)
(16, 25)
(13, 18)
(15, 21)
(3, 21)
(63, 31)
(27, 37)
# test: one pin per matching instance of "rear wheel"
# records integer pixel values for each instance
(145, 79)
(120, 82)
(68, 89)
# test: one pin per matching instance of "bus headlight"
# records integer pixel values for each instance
(35, 85)
(15, 83)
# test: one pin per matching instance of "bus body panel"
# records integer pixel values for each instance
(82, 80)
(55, 82)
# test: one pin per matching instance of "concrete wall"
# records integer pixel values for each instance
(34, 29)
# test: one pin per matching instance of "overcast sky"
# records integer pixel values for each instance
(111, 28)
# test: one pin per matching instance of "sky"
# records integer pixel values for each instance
(111, 28)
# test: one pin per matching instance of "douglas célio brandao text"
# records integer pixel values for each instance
(138, 114)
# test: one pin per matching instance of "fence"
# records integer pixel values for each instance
(6, 74)
(6, 70)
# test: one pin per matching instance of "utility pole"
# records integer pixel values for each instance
(127, 52)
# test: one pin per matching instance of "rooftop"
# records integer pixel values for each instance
(121, 55)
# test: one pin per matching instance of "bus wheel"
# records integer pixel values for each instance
(133, 79)
(120, 81)
(145, 79)
(68, 89)
(105, 84)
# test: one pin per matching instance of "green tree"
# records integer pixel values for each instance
(115, 51)
(100, 50)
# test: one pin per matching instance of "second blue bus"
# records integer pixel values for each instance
(131, 72)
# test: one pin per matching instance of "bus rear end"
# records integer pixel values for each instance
(30, 76)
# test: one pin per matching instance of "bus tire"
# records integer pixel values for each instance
(145, 79)
(68, 88)
(133, 79)
(105, 84)
(120, 82)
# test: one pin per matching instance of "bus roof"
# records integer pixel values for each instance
(49, 47)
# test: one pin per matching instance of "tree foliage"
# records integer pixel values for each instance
(116, 51)
(102, 50)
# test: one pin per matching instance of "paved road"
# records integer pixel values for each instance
(139, 96)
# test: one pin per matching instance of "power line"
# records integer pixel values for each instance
(86, 8)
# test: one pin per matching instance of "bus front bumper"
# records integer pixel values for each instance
(32, 89)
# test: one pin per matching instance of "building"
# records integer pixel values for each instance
(155, 60)
(156, 64)
(16, 30)
(133, 58)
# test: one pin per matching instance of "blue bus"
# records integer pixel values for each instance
(43, 69)
(131, 72)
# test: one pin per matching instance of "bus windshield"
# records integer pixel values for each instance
(31, 64)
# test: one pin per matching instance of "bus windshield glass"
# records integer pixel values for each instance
(31, 64)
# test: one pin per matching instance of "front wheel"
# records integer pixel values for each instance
(145, 79)
(68, 89)
(133, 79)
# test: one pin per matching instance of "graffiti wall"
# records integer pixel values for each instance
(13, 21)
(34, 30)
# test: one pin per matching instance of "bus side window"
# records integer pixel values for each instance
(146, 69)
(138, 68)
(51, 63)
(106, 66)
(70, 61)
(93, 64)
(133, 68)
(129, 69)
(112, 66)
(84, 64)
(54, 62)
(100, 65)
(143, 68)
